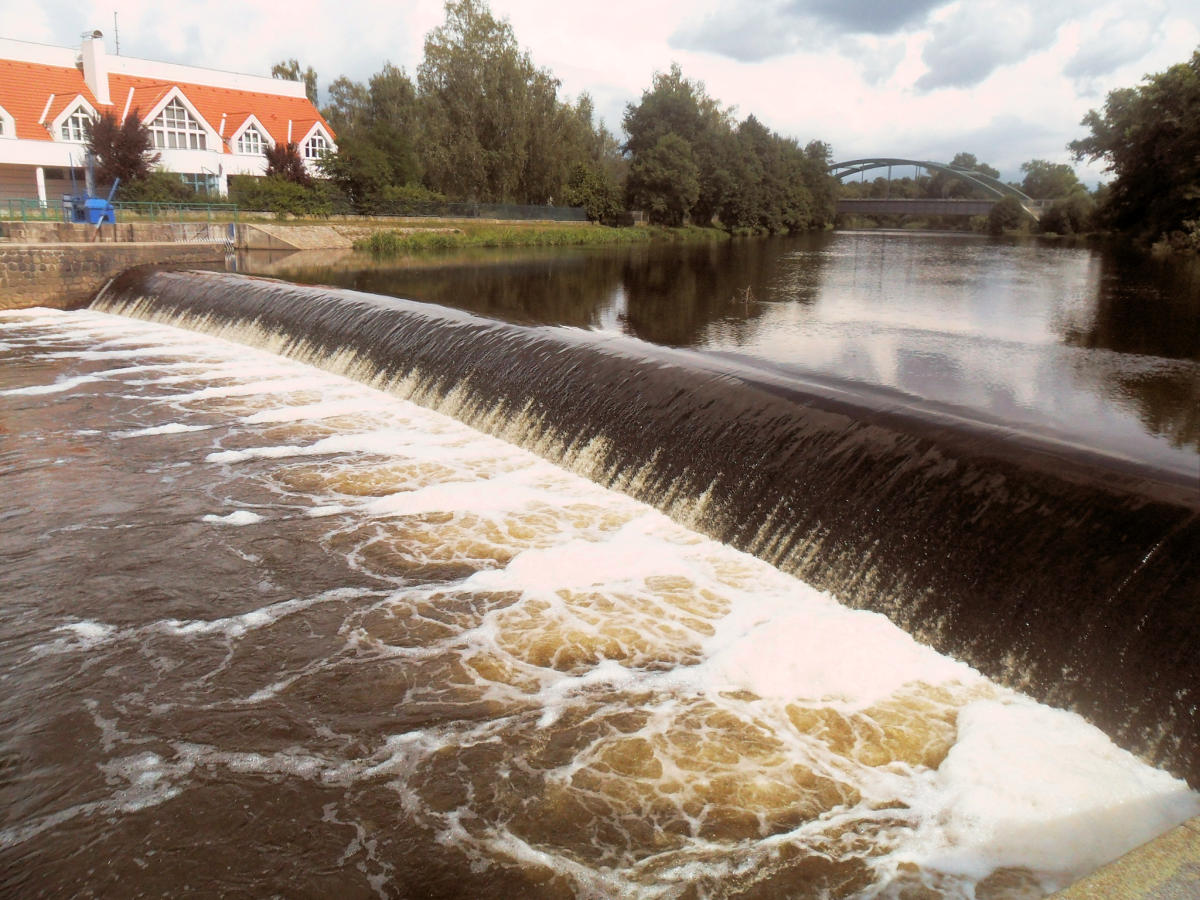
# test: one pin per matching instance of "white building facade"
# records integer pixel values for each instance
(206, 124)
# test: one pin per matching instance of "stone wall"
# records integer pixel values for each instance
(64, 276)
(55, 232)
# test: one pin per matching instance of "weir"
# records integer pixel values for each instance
(1063, 573)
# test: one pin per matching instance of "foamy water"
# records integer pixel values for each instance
(542, 678)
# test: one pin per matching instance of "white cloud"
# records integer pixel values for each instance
(1005, 81)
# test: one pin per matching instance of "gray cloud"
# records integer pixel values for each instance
(1117, 42)
(1004, 143)
(978, 38)
(866, 16)
(752, 33)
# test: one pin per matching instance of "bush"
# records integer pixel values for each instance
(278, 195)
(156, 187)
(1006, 214)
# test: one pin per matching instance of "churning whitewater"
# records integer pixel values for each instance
(268, 629)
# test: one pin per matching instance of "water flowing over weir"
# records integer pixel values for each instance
(1068, 575)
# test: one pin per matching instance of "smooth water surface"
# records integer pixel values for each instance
(1096, 348)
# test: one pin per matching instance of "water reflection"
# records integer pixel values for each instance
(1079, 341)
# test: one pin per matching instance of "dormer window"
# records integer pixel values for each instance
(316, 146)
(75, 126)
(176, 129)
(251, 142)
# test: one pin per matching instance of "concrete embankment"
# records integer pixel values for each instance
(1167, 868)
(67, 275)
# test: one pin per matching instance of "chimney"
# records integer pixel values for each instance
(95, 67)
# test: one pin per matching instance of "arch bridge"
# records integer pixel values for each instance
(991, 189)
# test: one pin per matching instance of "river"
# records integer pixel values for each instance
(479, 620)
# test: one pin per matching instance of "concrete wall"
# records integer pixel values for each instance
(53, 232)
(64, 276)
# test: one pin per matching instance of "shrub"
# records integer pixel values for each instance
(156, 187)
(278, 195)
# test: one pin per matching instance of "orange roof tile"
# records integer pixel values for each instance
(25, 88)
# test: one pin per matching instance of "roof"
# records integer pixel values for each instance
(25, 88)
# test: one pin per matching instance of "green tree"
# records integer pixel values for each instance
(592, 188)
(289, 70)
(349, 106)
(1073, 214)
(361, 170)
(1047, 181)
(122, 150)
(1005, 215)
(1149, 137)
(492, 125)
(676, 105)
(943, 184)
(665, 181)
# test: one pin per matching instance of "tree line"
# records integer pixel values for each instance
(1148, 137)
(481, 122)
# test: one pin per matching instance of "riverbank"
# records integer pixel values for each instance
(491, 234)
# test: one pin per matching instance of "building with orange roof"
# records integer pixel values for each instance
(206, 124)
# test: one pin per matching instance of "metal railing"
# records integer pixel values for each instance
(19, 210)
(177, 211)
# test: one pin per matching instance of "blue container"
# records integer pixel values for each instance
(98, 210)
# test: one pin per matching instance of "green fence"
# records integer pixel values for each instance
(29, 211)
(176, 212)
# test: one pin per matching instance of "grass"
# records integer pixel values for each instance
(391, 243)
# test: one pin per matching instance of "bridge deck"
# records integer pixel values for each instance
(914, 206)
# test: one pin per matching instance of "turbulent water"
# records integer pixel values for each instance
(266, 630)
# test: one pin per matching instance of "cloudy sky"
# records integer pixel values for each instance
(924, 79)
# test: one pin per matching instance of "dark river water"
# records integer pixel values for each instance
(277, 619)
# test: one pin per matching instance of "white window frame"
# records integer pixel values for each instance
(251, 122)
(175, 128)
(313, 133)
(8, 125)
(212, 141)
(78, 105)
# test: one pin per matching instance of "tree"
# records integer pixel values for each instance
(591, 187)
(676, 105)
(942, 184)
(1048, 181)
(492, 125)
(1149, 137)
(122, 150)
(664, 181)
(1069, 215)
(283, 161)
(349, 107)
(1007, 213)
(289, 70)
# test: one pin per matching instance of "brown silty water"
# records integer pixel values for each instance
(270, 631)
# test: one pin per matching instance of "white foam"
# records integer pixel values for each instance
(239, 517)
(57, 387)
(809, 648)
(387, 441)
(77, 637)
(1031, 786)
(169, 428)
(314, 411)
